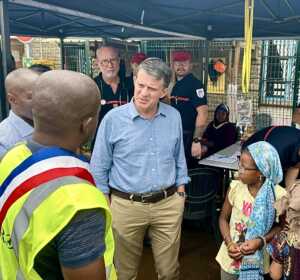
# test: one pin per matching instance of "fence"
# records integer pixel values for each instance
(274, 86)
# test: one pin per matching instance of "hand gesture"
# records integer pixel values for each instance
(249, 247)
(234, 251)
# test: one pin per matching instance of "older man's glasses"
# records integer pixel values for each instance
(107, 62)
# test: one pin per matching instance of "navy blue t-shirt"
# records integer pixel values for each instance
(109, 99)
(220, 136)
(285, 139)
(80, 243)
(188, 94)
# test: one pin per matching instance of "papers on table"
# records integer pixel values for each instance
(226, 158)
(223, 158)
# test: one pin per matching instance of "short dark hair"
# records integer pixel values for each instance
(40, 68)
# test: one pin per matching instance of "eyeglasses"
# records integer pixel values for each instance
(106, 62)
(242, 169)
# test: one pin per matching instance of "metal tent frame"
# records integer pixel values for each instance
(132, 19)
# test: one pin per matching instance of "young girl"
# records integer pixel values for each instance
(247, 218)
(285, 246)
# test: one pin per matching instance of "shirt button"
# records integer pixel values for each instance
(151, 139)
(152, 154)
(153, 169)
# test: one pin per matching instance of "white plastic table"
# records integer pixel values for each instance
(226, 158)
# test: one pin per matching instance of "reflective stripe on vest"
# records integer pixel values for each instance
(44, 154)
(17, 185)
(36, 195)
(34, 199)
(20, 275)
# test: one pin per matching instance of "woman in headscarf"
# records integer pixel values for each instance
(247, 220)
(220, 133)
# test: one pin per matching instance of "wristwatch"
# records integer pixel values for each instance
(197, 140)
(182, 194)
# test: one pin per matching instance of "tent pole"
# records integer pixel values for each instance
(62, 53)
(6, 54)
(297, 79)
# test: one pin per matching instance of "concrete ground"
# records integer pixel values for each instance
(197, 257)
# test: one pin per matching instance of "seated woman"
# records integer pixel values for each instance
(220, 133)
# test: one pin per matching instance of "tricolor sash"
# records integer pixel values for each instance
(47, 164)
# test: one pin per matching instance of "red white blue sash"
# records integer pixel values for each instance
(43, 166)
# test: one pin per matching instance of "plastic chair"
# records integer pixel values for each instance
(201, 193)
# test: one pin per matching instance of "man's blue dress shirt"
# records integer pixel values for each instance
(13, 129)
(138, 155)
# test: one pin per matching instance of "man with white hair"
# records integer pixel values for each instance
(115, 90)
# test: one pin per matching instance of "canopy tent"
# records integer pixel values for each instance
(151, 18)
(189, 19)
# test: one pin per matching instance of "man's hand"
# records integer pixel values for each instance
(249, 247)
(108, 199)
(196, 150)
(234, 251)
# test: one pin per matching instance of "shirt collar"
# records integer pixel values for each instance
(134, 113)
(187, 76)
(23, 127)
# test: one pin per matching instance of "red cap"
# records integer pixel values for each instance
(138, 58)
(181, 56)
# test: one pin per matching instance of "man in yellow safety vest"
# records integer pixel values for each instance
(55, 224)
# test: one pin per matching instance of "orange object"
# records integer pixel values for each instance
(219, 66)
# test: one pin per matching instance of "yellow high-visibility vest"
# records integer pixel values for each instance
(31, 217)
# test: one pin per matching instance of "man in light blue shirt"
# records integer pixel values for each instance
(18, 126)
(138, 160)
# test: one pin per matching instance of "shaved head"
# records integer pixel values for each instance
(19, 80)
(19, 86)
(62, 100)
